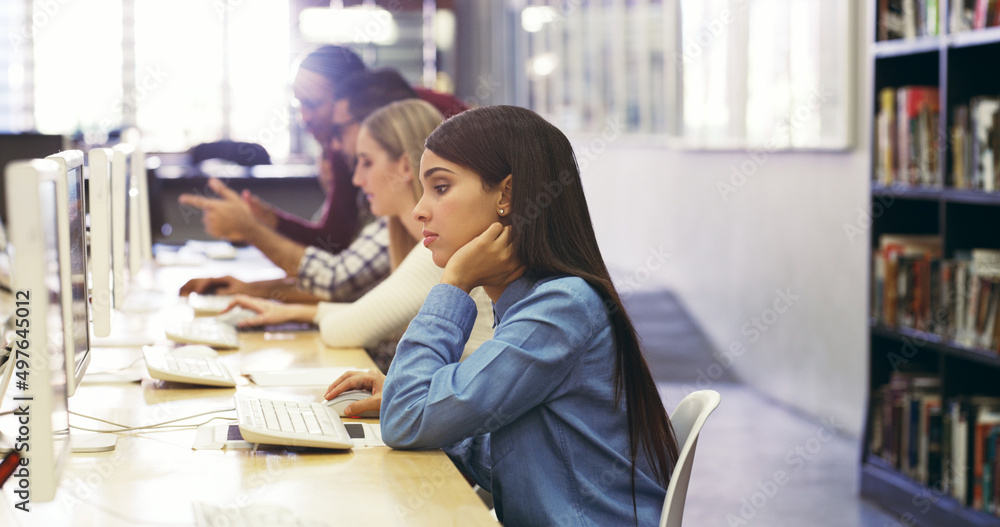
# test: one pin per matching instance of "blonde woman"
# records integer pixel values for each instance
(389, 146)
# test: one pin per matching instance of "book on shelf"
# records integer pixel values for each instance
(917, 111)
(961, 147)
(885, 122)
(984, 112)
(984, 460)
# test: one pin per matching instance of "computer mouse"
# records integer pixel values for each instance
(194, 351)
(234, 316)
(341, 401)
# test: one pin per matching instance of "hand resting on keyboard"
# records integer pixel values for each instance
(270, 313)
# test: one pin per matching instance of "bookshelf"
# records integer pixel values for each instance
(923, 372)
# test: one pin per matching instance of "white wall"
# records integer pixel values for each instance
(784, 229)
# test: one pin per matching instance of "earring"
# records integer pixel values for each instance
(501, 212)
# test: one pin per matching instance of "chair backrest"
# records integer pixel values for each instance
(687, 420)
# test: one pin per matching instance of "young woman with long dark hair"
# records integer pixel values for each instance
(557, 415)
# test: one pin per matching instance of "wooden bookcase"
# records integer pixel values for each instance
(962, 65)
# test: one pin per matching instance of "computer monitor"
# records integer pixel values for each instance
(140, 236)
(72, 227)
(121, 163)
(31, 193)
(101, 300)
(25, 146)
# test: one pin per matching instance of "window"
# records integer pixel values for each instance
(771, 74)
(184, 71)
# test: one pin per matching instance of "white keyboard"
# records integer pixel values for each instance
(290, 423)
(255, 515)
(206, 331)
(201, 370)
(208, 304)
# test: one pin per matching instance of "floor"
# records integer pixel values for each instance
(758, 463)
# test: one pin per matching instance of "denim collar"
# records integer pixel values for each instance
(514, 293)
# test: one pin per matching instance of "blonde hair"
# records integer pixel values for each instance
(400, 129)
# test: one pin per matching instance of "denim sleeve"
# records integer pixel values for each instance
(430, 400)
(472, 457)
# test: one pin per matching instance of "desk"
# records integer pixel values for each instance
(154, 477)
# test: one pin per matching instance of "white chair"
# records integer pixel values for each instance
(687, 420)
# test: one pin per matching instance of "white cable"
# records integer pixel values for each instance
(125, 428)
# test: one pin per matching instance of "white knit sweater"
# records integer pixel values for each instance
(386, 310)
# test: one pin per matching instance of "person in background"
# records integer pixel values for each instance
(315, 272)
(319, 75)
(389, 144)
(557, 415)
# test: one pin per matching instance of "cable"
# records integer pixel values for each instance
(164, 428)
(125, 428)
(116, 370)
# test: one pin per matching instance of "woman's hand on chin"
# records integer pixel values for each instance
(488, 260)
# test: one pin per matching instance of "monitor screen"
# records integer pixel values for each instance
(33, 234)
(73, 264)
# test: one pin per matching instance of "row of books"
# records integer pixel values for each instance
(957, 299)
(906, 136)
(952, 446)
(975, 144)
(967, 15)
(907, 18)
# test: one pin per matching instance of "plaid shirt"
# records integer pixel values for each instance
(345, 276)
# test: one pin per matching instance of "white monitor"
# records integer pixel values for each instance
(140, 235)
(31, 189)
(101, 300)
(121, 162)
(72, 230)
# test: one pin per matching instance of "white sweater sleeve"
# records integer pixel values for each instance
(482, 330)
(386, 310)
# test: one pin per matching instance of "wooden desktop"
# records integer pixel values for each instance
(154, 477)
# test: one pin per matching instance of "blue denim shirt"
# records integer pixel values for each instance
(530, 415)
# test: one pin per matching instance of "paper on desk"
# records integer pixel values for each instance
(298, 377)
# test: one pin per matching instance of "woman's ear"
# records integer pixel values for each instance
(404, 170)
(506, 190)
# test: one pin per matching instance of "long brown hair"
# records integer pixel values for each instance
(400, 129)
(553, 235)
